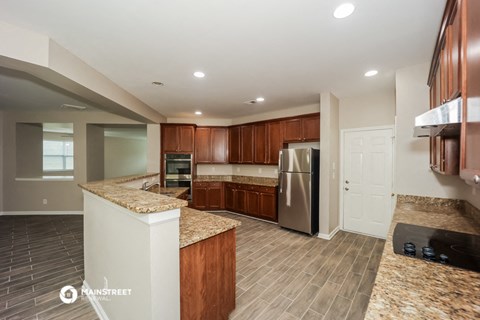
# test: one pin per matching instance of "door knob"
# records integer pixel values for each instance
(347, 182)
(346, 189)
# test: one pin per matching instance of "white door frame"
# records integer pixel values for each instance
(341, 168)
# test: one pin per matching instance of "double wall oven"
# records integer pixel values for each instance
(178, 171)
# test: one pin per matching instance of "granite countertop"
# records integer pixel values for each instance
(407, 288)
(173, 192)
(196, 226)
(259, 181)
(133, 199)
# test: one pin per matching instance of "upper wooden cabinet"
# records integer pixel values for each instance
(260, 149)
(470, 151)
(302, 129)
(211, 145)
(275, 141)
(178, 138)
(445, 85)
(234, 144)
(241, 144)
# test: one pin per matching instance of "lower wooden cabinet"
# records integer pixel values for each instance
(208, 196)
(253, 200)
(207, 278)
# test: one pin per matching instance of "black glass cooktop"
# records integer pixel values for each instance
(458, 249)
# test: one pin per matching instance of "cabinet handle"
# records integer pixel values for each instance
(346, 189)
(347, 182)
(476, 179)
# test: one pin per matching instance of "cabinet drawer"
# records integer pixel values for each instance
(200, 184)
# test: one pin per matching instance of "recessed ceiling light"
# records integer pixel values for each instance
(343, 10)
(158, 83)
(371, 73)
(71, 106)
(199, 74)
(260, 99)
(198, 113)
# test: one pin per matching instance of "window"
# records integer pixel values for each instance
(57, 147)
(57, 155)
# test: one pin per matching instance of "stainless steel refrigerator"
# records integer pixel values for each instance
(298, 189)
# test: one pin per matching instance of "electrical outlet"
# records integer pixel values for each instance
(213, 169)
(45, 201)
(259, 170)
(238, 169)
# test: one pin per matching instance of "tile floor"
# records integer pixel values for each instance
(38, 256)
(280, 274)
(286, 275)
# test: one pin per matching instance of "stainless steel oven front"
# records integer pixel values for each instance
(178, 171)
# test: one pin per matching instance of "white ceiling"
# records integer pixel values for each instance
(285, 51)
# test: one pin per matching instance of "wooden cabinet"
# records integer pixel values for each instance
(234, 144)
(275, 141)
(445, 85)
(211, 145)
(241, 144)
(246, 142)
(253, 200)
(178, 138)
(293, 130)
(302, 129)
(207, 278)
(208, 195)
(470, 139)
(260, 145)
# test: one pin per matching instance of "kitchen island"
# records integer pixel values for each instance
(408, 288)
(159, 249)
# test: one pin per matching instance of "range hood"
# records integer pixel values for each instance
(444, 120)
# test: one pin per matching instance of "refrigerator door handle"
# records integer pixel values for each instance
(280, 183)
(280, 157)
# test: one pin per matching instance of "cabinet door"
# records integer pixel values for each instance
(470, 150)
(202, 145)
(311, 128)
(268, 206)
(229, 197)
(219, 145)
(247, 144)
(252, 205)
(455, 38)
(443, 76)
(275, 141)
(215, 196)
(169, 139)
(260, 142)
(200, 197)
(240, 200)
(293, 130)
(234, 144)
(186, 139)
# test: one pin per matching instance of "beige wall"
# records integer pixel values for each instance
(29, 150)
(375, 109)
(125, 156)
(95, 152)
(153, 147)
(329, 157)
(413, 174)
(60, 195)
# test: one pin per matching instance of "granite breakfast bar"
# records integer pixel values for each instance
(147, 242)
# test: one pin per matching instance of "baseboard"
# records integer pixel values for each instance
(39, 213)
(94, 302)
(330, 235)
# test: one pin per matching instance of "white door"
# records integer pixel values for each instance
(367, 181)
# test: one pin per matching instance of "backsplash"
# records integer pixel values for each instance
(237, 170)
